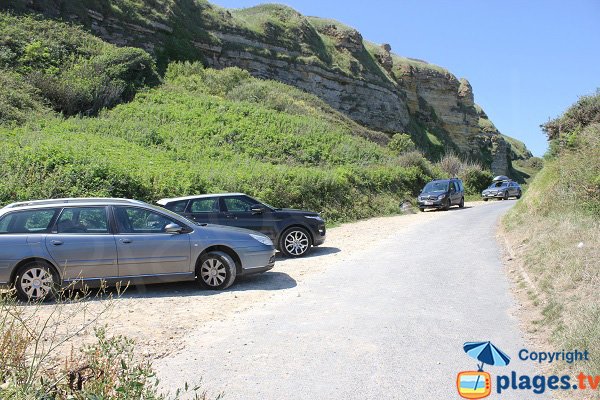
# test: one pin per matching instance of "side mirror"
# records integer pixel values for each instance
(173, 228)
(257, 209)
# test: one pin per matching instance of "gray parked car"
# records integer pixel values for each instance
(502, 190)
(46, 244)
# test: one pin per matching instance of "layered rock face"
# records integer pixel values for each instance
(367, 82)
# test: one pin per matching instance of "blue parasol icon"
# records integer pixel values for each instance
(487, 353)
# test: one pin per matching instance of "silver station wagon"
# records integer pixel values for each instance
(48, 244)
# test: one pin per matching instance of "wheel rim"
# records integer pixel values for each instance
(36, 283)
(296, 243)
(213, 272)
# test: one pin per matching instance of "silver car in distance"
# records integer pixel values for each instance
(48, 244)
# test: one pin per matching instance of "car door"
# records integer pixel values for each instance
(22, 235)
(238, 212)
(205, 210)
(454, 195)
(514, 189)
(143, 245)
(82, 244)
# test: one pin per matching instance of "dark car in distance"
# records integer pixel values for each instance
(442, 194)
(502, 190)
(293, 231)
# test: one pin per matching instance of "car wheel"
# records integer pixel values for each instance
(294, 242)
(505, 196)
(448, 205)
(485, 199)
(422, 209)
(216, 270)
(519, 195)
(462, 202)
(36, 281)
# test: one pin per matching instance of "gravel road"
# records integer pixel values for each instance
(382, 316)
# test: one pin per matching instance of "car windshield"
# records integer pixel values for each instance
(435, 187)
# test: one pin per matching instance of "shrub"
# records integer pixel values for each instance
(76, 72)
(18, 99)
(102, 81)
(401, 143)
(585, 112)
(450, 164)
(32, 365)
(475, 179)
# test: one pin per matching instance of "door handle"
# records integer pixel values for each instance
(126, 241)
(56, 242)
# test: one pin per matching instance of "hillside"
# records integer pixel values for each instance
(366, 82)
(555, 231)
(196, 130)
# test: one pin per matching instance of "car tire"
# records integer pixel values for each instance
(505, 196)
(295, 242)
(519, 195)
(216, 270)
(36, 281)
(448, 205)
(422, 209)
(485, 199)
(462, 203)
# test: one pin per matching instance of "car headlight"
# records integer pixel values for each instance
(441, 196)
(263, 239)
(317, 217)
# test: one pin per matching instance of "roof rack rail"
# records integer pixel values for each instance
(72, 200)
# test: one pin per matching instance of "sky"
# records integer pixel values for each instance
(526, 60)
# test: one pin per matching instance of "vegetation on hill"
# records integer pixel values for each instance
(555, 229)
(74, 72)
(200, 131)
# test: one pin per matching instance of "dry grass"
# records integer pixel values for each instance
(35, 362)
(554, 232)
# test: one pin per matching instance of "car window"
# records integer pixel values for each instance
(141, 220)
(204, 205)
(32, 221)
(452, 186)
(83, 220)
(238, 204)
(436, 187)
(177, 206)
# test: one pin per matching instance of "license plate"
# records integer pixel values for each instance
(428, 203)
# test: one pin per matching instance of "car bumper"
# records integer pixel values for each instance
(319, 235)
(492, 196)
(256, 261)
(432, 203)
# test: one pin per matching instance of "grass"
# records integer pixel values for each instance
(555, 230)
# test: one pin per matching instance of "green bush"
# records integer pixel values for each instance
(401, 143)
(18, 98)
(76, 72)
(102, 81)
(475, 179)
(583, 113)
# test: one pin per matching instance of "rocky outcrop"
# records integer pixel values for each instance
(367, 82)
